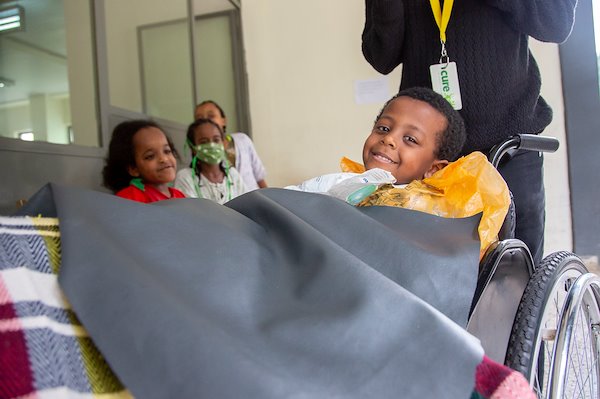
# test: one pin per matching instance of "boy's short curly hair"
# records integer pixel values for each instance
(451, 140)
(121, 153)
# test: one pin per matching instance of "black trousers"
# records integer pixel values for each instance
(525, 178)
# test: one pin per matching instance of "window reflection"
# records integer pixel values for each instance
(148, 55)
(217, 59)
(166, 70)
(215, 65)
(150, 65)
(38, 59)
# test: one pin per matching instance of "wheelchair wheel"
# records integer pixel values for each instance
(555, 338)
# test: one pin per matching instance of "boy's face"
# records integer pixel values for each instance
(404, 140)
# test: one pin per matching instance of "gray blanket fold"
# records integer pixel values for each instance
(277, 294)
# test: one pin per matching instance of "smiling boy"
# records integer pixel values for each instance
(416, 134)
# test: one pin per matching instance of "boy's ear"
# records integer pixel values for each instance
(438, 164)
(133, 171)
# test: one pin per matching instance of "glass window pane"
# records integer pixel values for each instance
(148, 57)
(39, 59)
(166, 71)
(214, 64)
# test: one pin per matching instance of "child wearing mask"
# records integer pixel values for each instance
(239, 148)
(209, 176)
(141, 163)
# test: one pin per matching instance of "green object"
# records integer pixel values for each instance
(137, 182)
(211, 153)
(357, 196)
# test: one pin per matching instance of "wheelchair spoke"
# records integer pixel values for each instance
(582, 375)
(575, 367)
(591, 380)
(565, 351)
(586, 344)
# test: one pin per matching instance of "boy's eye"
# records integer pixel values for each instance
(168, 151)
(383, 129)
(410, 139)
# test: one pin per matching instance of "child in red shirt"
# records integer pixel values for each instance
(141, 163)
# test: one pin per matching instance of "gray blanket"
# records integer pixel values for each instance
(277, 294)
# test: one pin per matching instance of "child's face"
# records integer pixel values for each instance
(207, 133)
(404, 140)
(210, 111)
(154, 159)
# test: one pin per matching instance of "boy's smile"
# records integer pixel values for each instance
(404, 140)
(382, 158)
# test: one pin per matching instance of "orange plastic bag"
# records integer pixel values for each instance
(463, 188)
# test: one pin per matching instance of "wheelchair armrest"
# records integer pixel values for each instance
(527, 142)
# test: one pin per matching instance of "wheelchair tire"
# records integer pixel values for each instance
(532, 342)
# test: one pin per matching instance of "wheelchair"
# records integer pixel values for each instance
(542, 321)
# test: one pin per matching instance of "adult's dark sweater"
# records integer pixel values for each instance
(488, 39)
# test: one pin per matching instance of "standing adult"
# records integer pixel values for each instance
(238, 146)
(498, 78)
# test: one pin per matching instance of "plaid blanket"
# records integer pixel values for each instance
(44, 350)
(46, 353)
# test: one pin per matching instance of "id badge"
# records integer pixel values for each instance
(444, 80)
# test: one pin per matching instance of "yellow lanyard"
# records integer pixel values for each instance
(442, 17)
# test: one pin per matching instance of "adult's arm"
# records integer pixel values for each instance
(246, 145)
(383, 34)
(547, 20)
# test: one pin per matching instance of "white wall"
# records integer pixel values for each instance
(14, 118)
(558, 205)
(47, 115)
(303, 58)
